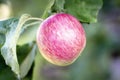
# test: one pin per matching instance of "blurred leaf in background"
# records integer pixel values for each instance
(5, 9)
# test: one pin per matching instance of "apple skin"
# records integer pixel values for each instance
(61, 39)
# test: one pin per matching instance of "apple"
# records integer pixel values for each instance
(61, 39)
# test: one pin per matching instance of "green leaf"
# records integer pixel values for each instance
(27, 63)
(84, 10)
(58, 5)
(5, 72)
(3, 29)
(9, 47)
(12, 29)
(48, 8)
(2, 39)
(28, 35)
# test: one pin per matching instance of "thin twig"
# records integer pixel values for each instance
(33, 23)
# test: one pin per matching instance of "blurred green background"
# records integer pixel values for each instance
(100, 60)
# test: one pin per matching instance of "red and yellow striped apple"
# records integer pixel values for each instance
(61, 39)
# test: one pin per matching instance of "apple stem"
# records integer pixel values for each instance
(30, 24)
(33, 23)
(39, 19)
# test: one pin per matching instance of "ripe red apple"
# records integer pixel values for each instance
(61, 39)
